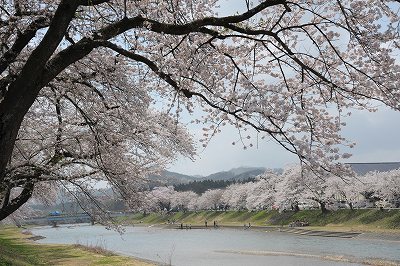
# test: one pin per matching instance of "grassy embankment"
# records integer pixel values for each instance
(16, 250)
(349, 220)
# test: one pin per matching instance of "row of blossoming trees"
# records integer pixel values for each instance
(286, 191)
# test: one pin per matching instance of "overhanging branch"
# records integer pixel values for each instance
(17, 202)
(22, 40)
(139, 58)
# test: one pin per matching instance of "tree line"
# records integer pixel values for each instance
(199, 187)
(291, 190)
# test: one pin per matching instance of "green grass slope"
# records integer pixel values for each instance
(362, 219)
(16, 250)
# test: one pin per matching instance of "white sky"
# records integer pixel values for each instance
(376, 134)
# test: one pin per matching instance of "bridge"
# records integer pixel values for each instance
(64, 219)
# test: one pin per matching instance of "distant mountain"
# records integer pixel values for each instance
(249, 174)
(224, 175)
(244, 169)
(172, 178)
(240, 173)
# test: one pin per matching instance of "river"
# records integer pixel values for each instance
(220, 247)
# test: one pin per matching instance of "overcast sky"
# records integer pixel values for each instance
(376, 134)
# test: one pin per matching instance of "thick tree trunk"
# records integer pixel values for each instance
(21, 94)
(323, 207)
(8, 134)
(9, 126)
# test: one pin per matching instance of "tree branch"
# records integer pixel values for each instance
(92, 2)
(83, 47)
(22, 40)
(166, 77)
(23, 91)
(14, 204)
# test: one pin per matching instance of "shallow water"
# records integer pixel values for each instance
(225, 246)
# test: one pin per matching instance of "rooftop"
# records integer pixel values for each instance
(363, 168)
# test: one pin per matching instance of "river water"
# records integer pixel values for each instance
(220, 247)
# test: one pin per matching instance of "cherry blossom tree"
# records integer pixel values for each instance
(94, 90)
(163, 197)
(369, 186)
(146, 204)
(390, 187)
(210, 200)
(290, 189)
(234, 196)
(287, 190)
(345, 189)
(297, 184)
(181, 200)
(262, 193)
(317, 189)
(383, 186)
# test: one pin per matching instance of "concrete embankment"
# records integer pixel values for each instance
(301, 231)
(292, 230)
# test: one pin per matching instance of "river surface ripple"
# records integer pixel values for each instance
(233, 247)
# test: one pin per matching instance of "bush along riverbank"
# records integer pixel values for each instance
(360, 220)
(18, 249)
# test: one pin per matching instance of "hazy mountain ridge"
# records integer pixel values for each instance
(244, 169)
(240, 173)
(171, 178)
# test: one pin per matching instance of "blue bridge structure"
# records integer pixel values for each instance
(55, 218)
